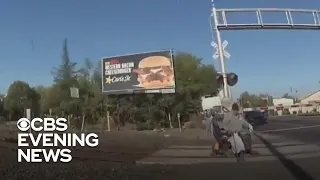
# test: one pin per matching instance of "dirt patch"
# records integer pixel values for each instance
(125, 147)
(114, 158)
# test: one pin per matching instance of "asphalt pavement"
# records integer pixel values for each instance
(305, 129)
(289, 149)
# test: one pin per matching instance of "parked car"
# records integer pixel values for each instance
(256, 117)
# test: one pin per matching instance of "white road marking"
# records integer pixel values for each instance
(291, 124)
(290, 129)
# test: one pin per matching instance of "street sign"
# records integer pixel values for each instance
(74, 92)
(225, 52)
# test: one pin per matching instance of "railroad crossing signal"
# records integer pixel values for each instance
(225, 52)
(232, 79)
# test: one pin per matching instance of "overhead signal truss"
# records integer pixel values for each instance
(290, 20)
(222, 21)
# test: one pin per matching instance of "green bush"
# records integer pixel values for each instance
(149, 125)
(142, 126)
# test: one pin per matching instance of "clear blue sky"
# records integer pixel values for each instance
(267, 61)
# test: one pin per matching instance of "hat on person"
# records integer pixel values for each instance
(235, 107)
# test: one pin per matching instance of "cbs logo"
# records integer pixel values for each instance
(46, 124)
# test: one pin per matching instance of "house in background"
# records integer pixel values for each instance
(282, 104)
(285, 102)
(313, 98)
(307, 104)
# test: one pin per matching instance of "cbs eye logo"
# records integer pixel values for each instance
(23, 124)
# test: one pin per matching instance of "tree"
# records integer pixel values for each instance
(65, 77)
(193, 79)
(66, 72)
(267, 98)
(43, 93)
(251, 100)
(90, 94)
(35, 99)
(2, 97)
(19, 97)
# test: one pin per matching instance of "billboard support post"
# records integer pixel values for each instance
(170, 122)
(118, 112)
(179, 122)
(102, 116)
(108, 120)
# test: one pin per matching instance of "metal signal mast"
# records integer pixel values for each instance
(219, 16)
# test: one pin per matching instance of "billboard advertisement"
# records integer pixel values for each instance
(151, 72)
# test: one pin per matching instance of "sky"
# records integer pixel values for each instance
(266, 61)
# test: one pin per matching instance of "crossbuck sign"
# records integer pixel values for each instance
(225, 52)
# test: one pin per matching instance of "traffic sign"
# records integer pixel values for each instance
(74, 92)
(225, 52)
(214, 45)
(225, 44)
(215, 55)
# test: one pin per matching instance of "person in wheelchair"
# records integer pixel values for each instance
(235, 125)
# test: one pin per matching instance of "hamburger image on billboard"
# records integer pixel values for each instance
(155, 72)
(142, 71)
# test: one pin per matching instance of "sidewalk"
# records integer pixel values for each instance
(264, 146)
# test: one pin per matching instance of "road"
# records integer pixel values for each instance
(304, 130)
(273, 162)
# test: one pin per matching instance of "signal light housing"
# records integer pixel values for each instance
(232, 79)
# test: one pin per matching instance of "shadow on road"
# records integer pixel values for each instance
(293, 168)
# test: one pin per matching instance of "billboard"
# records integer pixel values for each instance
(151, 72)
